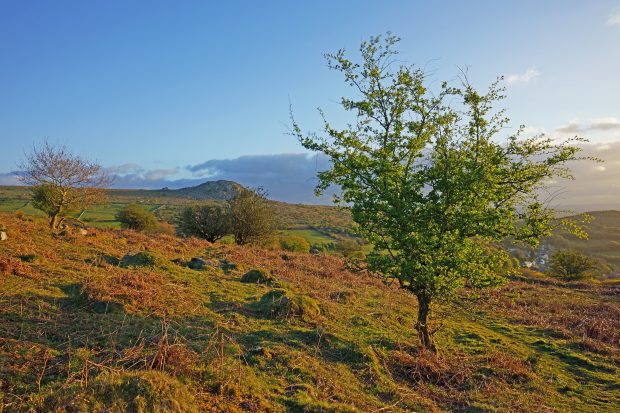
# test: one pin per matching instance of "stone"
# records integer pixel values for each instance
(3, 236)
(197, 263)
(258, 276)
(282, 303)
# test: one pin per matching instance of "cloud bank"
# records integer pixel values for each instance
(292, 177)
(608, 124)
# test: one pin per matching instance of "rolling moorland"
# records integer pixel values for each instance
(317, 224)
(116, 320)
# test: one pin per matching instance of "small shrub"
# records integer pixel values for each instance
(348, 247)
(294, 243)
(137, 218)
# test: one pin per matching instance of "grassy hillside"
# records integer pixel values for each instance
(326, 223)
(80, 332)
(603, 238)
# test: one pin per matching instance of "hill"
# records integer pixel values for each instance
(316, 223)
(602, 243)
(84, 330)
(211, 190)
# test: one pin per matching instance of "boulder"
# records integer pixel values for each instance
(3, 236)
(283, 303)
(197, 263)
(258, 276)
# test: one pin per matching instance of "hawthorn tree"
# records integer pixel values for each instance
(426, 179)
(62, 182)
(250, 215)
(204, 221)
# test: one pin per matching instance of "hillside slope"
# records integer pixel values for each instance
(81, 332)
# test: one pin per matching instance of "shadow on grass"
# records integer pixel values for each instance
(325, 345)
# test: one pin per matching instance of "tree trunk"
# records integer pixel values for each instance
(53, 221)
(424, 303)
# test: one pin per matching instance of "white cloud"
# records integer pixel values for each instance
(614, 20)
(597, 124)
(159, 174)
(605, 123)
(524, 77)
(533, 131)
(571, 128)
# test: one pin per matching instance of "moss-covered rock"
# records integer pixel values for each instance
(138, 392)
(139, 259)
(197, 263)
(258, 276)
(283, 303)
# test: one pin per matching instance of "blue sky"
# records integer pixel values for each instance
(149, 88)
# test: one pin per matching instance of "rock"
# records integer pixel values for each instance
(139, 259)
(180, 261)
(283, 303)
(258, 276)
(83, 232)
(197, 263)
(3, 236)
(104, 260)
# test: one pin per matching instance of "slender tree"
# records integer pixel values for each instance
(426, 179)
(62, 182)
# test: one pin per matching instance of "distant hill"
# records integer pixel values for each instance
(603, 242)
(216, 190)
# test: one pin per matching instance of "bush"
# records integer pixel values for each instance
(294, 243)
(348, 247)
(137, 218)
(573, 265)
(252, 216)
(203, 221)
